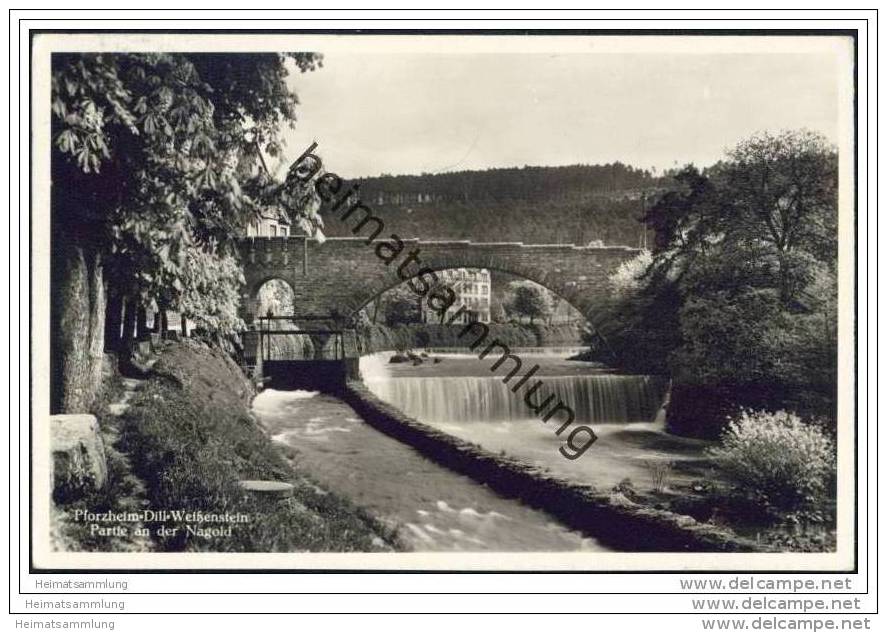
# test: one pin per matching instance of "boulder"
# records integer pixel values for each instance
(78, 464)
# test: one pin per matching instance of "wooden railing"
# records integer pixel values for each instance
(266, 330)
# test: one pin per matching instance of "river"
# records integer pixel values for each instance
(461, 396)
(432, 508)
(435, 509)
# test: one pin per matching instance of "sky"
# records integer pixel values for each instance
(411, 113)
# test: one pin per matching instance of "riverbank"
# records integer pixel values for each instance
(380, 338)
(189, 437)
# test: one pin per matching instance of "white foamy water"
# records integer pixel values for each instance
(432, 508)
(595, 398)
(460, 396)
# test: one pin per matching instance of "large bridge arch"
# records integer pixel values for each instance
(576, 300)
(339, 276)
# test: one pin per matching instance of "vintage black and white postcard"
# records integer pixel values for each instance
(540, 301)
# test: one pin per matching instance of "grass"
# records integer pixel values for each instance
(190, 438)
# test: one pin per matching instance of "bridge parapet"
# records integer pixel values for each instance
(272, 251)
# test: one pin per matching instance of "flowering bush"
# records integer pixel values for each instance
(778, 461)
(627, 279)
(209, 290)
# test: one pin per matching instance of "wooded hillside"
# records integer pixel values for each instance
(573, 204)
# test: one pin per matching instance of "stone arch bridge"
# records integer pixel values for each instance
(336, 278)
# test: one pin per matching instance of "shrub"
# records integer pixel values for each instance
(628, 278)
(777, 461)
(748, 337)
(660, 473)
(423, 338)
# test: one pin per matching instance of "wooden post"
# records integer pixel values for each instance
(184, 322)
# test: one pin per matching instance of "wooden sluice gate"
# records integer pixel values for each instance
(332, 357)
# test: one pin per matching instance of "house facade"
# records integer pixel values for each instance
(473, 288)
(271, 223)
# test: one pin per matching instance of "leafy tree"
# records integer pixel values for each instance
(155, 156)
(637, 331)
(397, 306)
(768, 213)
(738, 300)
(401, 310)
(210, 295)
(529, 301)
(783, 192)
(743, 338)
